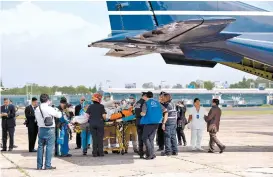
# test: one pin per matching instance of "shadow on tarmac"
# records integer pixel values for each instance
(118, 159)
(260, 133)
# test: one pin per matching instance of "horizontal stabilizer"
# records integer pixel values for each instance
(188, 32)
(175, 59)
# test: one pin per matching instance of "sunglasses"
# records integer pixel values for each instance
(82, 100)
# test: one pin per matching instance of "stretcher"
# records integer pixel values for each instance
(120, 125)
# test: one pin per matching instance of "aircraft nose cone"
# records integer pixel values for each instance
(90, 45)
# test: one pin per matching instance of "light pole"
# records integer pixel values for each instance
(161, 84)
(108, 81)
(28, 94)
(252, 85)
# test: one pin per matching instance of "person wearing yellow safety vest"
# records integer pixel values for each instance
(131, 128)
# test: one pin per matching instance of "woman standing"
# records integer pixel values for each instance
(181, 123)
(63, 130)
(97, 115)
(85, 129)
(160, 132)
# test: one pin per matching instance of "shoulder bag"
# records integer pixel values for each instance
(47, 120)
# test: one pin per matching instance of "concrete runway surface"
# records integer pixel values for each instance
(249, 153)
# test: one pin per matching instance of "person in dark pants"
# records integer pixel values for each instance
(213, 122)
(151, 116)
(169, 126)
(8, 124)
(181, 123)
(97, 115)
(138, 109)
(16, 115)
(77, 113)
(31, 124)
(160, 132)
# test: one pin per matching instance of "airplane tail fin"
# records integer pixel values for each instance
(130, 16)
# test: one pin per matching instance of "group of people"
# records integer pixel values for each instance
(153, 116)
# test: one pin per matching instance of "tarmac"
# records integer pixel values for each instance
(249, 153)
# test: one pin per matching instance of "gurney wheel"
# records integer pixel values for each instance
(118, 152)
(122, 152)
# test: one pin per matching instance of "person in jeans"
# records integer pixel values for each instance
(46, 134)
(151, 117)
(170, 126)
(85, 129)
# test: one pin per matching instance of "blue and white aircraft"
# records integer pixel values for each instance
(193, 33)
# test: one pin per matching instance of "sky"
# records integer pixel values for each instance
(46, 43)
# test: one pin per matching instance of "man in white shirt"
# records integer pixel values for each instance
(197, 124)
(46, 134)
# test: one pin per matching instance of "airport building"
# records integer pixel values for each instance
(227, 97)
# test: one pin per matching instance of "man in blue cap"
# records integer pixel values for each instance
(151, 114)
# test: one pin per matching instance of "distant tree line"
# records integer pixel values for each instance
(36, 90)
(249, 83)
(209, 85)
(196, 84)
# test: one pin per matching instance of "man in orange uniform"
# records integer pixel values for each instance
(109, 131)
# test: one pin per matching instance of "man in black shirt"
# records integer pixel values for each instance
(138, 109)
(160, 132)
(77, 113)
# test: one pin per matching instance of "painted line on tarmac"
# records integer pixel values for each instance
(21, 170)
(226, 171)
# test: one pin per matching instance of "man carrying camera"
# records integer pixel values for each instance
(44, 115)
